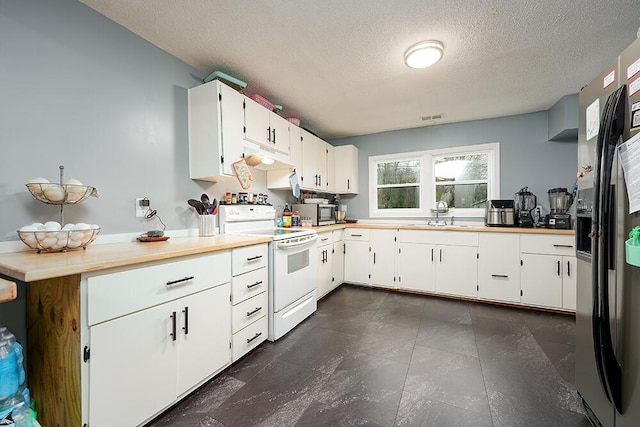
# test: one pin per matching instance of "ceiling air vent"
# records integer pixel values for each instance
(434, 117)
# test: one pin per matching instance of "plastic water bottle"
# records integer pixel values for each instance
(15, 346)
(9, 377)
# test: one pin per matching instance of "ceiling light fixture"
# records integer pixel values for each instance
(424, 54)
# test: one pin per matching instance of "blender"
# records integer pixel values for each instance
(559, 202)
(525, 205)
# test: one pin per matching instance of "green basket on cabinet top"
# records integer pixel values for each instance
(632, 247)
(237, 84)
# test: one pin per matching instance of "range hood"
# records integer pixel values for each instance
(264, 158)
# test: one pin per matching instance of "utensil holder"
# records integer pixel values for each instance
(632, 252)
(206, 225)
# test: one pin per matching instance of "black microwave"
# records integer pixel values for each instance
(318, 213)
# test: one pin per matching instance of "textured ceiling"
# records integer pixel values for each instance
(338, 64)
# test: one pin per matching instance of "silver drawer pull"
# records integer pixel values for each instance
(562, 246)
(249, 313)
(254, 284)
(175, 282)
(254, 337)
(502, 276)
(255, 258)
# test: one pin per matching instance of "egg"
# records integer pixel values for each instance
(38, 185)
(52, 226)
(68, 226)
(76, 235)
(48, 242)
(29, 228)
(30, 240)
(54, 193)
(74, 244)
(38, 225)
(75, 190)
(81, 226)
(94, 226)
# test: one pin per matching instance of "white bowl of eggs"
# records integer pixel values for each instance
(73, 191)
(51, 236)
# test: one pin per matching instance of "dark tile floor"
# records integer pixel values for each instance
(378, 358)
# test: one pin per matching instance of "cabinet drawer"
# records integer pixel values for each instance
(249, 338)
(356, 234)
(549, 244)
(338, 235)
(118, 293)
(248, 311)
(325, 239)
(248, 284)
(249, 258)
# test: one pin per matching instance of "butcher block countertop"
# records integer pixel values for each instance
(28, 266)
(478, 228)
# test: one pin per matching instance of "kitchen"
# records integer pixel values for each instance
(99, 100)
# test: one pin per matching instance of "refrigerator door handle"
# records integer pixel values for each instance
(609, 369)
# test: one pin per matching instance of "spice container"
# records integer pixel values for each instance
(234, 199)
(242, 198)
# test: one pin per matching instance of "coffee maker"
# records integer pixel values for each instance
(525, 205)
(559, 202)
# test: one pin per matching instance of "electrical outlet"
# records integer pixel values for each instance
(142, 207)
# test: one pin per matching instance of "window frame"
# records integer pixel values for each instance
(427, 180)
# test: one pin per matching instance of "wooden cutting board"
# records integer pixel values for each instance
(8, 290)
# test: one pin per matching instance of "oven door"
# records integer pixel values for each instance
(294, 270)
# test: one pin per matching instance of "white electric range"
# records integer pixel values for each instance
(292, 263)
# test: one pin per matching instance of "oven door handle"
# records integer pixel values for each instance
(306, 242)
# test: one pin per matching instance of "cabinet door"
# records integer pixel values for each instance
(321, 163)
(499, 267)
(383, 255)
(256, 123)
(569, 282)
(416, 267)
(346, 169)
(457, 270)
(232, 125)
(295, 148)
(325, 270)
(356, 261)
(204, 334)
(541, 280)
(309, 176)
(279, 133)
(338, 263)
(132, 370)
(331, 170)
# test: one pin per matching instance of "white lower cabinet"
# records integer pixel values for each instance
(356, 259)
(338, 258)
(456, 270)
(144, 355)
(249, 299)
(325, 264)
(499, 267)
(416, 267)
(382, 257)
(548, 266)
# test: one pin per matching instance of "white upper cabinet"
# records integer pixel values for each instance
(346, 170)
(265, 127)
(314, 162)
(216, 120)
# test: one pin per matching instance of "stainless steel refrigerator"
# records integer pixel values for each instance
(608, 298)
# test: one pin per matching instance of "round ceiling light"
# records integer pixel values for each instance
(424, 54)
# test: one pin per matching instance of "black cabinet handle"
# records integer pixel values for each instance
(562, 246)
(432, 254)
(249, 313)
(440, 255)
(356, 235)
(274, 135)
(348, 184)
(502, 276)
(175, 282)
(558, 268)
(254, 284)
(344, 248)
(269, 133)
(374, 257)
(173, 323)
(568, 268)
(185, 328)
(254, 337)
(254, 258)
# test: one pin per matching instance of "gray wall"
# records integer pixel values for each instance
(79, 90)
(527, 158)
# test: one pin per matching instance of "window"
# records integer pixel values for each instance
(463, 177)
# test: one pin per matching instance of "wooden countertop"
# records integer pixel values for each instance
(480, 228)
(28, 266)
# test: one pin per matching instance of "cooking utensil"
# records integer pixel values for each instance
(205, 202)
(197, 205)
(214, 207)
